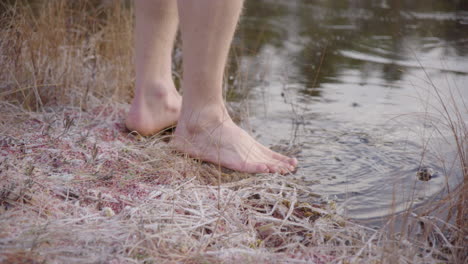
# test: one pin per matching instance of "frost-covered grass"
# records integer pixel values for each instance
(76, 187)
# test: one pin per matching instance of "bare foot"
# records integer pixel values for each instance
(221, 141)
(154, 109)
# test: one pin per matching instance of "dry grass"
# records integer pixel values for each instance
(59, 52)
(447, 116)
(77, 188)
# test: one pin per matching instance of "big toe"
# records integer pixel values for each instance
(291, 162)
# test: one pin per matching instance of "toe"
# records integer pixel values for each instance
(254, 168)
(293, 162)
(283, 166)
(285, 169)
(261, 168)
(278, 156)
(272, 168)
(276, 166)
(282, 170)
(290, 163)
(274, 154)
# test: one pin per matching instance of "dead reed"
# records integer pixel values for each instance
(76, 188)
(447, 116)
(61, 52)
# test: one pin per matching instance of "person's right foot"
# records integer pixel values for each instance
(222, 142)
(154, 109)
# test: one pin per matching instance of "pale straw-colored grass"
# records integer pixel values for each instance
(76, 187)
(89, 192)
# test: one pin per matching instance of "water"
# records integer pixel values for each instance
(350, 83)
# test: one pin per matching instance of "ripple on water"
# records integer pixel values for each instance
(339, 80)
(371, 174)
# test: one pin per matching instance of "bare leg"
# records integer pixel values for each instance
(205, 130)
(157, 103)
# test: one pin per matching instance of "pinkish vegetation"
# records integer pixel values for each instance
(76, 187)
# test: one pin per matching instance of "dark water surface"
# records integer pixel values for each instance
(349, 82)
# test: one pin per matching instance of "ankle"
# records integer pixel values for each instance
(155, 90)
(196, 120)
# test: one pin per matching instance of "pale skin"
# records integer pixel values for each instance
(204, 128)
